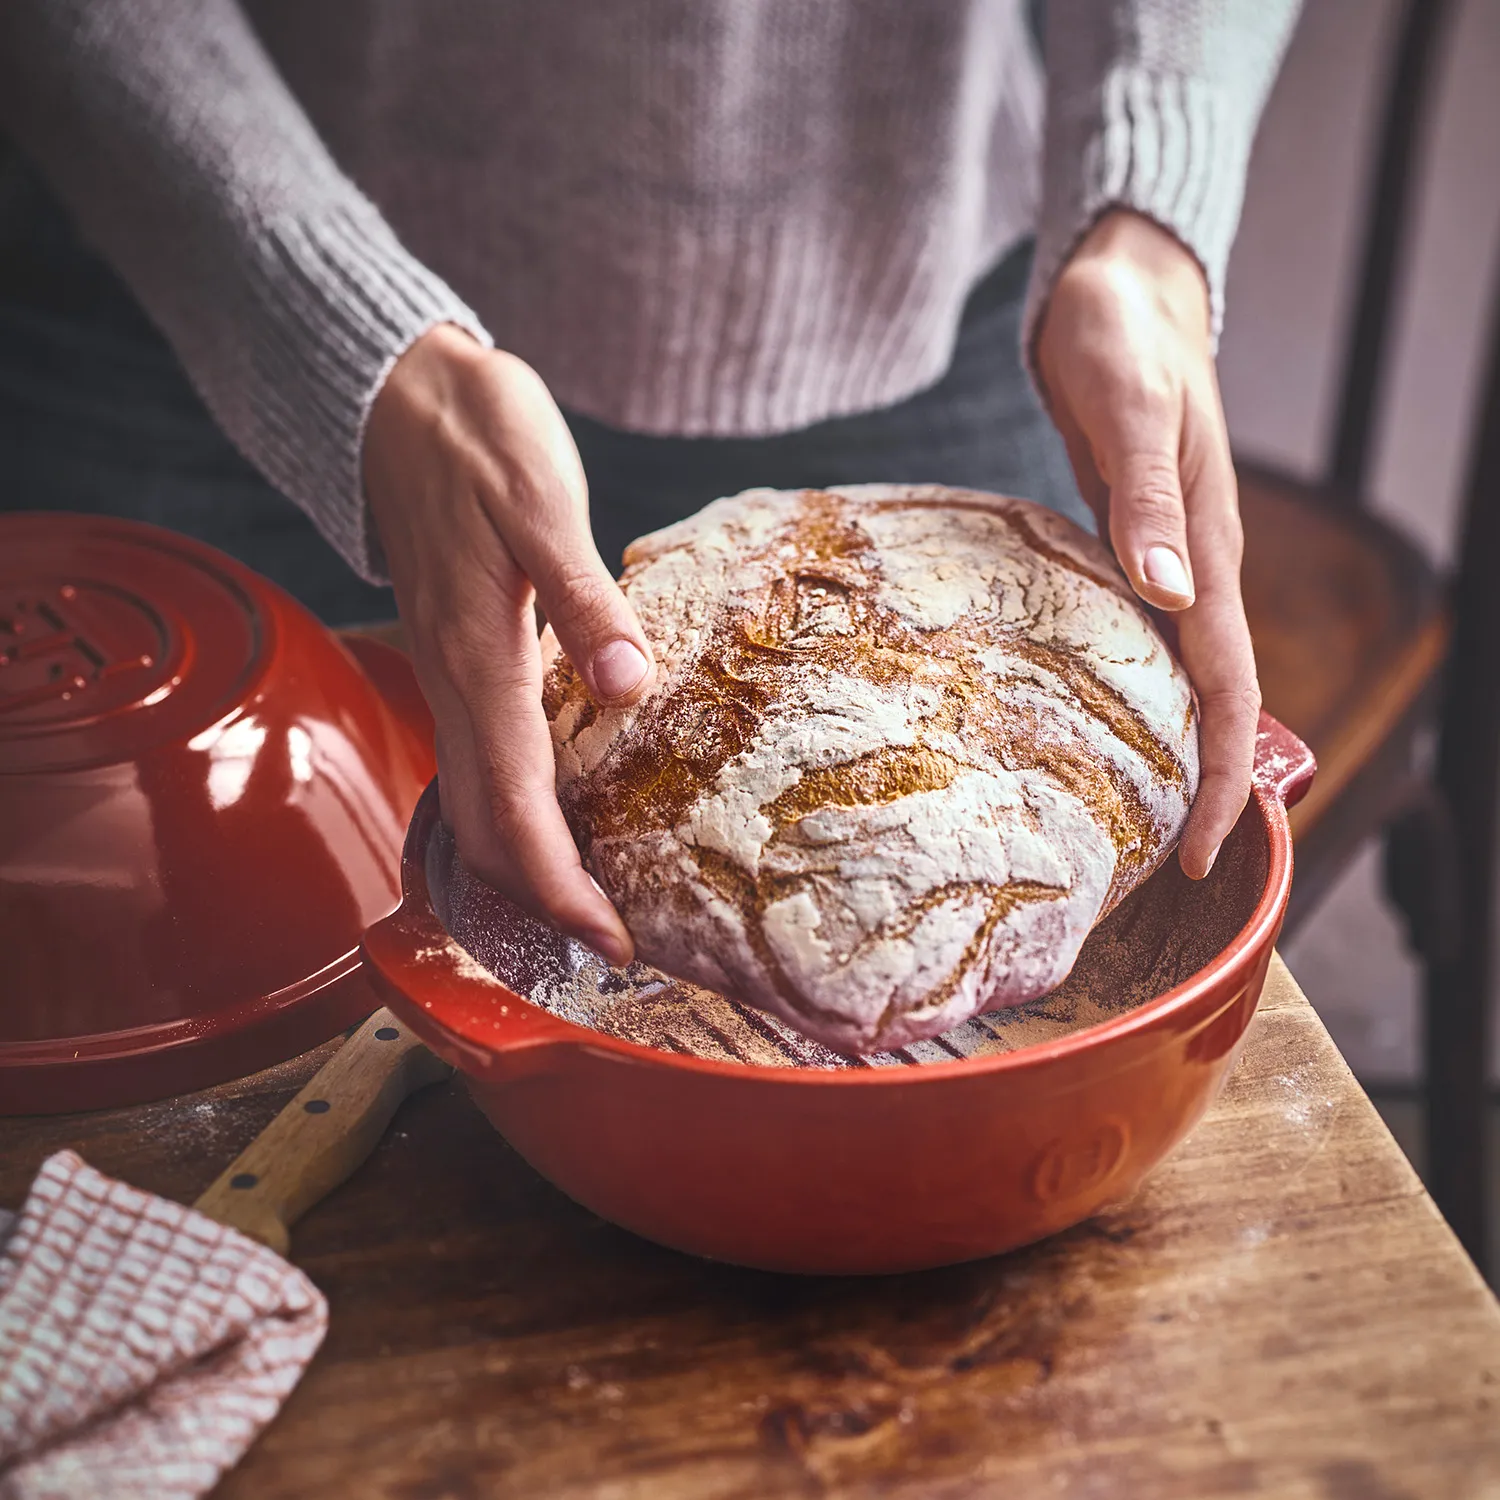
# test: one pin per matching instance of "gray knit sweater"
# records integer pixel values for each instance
(692, 216)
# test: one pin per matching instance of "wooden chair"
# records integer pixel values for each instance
(1364, 650)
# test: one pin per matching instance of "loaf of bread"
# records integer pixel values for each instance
(907, 746)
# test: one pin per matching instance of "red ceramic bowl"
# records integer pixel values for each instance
(858, 1170)
(203, 796)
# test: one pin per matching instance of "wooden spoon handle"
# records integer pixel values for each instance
(324, 1133)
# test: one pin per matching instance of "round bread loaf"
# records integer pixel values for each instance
(907, 746)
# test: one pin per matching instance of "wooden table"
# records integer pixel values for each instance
(1280, 1312)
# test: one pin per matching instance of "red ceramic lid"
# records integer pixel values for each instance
(203, 795)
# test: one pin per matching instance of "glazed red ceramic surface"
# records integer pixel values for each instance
(202, 799)
(857, 1170)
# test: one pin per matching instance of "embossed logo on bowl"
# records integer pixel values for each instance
(71, 652)
(1077, 1166)
(116, 639)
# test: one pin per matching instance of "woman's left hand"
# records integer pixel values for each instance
(1125, 356)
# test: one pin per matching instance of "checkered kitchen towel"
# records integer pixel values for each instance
(142, 1346)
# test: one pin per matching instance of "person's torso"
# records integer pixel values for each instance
(715, 107)
(706, 188)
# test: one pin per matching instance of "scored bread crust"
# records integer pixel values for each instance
(907, 745)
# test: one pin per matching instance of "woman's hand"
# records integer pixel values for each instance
(479, 497)
(1124, 354)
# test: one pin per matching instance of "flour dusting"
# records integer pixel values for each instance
(907, 746)
(1154, 940)
(641, 1004)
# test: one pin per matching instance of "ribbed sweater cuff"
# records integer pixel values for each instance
(1173, 148)
(333, 304)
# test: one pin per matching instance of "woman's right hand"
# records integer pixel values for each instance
(479, 497)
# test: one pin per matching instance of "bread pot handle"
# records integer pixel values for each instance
(1284, 766)
(468, 1018)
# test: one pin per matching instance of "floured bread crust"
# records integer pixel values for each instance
(908, 745)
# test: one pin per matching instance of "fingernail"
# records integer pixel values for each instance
(607, 941)
(618, 667)
(1164, 570)
(1209, 864)
(610, 946)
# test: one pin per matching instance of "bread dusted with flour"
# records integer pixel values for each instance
(908, 745)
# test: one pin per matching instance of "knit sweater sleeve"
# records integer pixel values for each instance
(1152, 105)
(187, 162)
